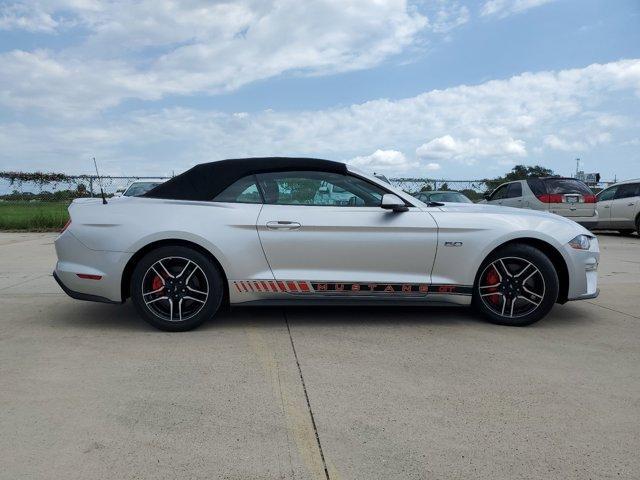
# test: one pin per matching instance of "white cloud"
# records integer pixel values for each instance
(384, 160)
(447, 15)
(559, 143)
(504, 8)
(499, 121)
(432, 167)
(468, 151)
(31, 18)
(155, 48)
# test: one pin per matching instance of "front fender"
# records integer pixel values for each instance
(465, 239)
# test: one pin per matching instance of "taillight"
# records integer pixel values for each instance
(589, 199)
(66, 225)
(88, 276)
(550, 198)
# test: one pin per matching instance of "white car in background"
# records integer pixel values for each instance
(279, 231)
(619, 207)
(567, 197)
(139, 187)
(450, 196)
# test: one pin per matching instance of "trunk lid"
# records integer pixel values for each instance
(568, 197)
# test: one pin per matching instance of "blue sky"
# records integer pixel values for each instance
(430, 88)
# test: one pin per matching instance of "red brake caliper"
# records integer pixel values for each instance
(491, 278)
(157, 283)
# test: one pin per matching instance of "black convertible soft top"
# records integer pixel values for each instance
(205, 181)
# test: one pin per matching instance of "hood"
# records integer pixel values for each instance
(517, 212)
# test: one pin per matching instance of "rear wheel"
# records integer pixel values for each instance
(176, 288)
(516, 285)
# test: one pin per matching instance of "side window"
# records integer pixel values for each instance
(515, 190)
(499, 193)
(244, 190)
(536, 186)
(607, 194)
(320, 189)
(627, 190)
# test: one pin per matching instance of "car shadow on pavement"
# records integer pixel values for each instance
(125, 317)
(381, 315)
(99, 316)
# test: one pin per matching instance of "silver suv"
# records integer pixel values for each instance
(568, 197)
(619, 207)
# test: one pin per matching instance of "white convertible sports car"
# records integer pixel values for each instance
(274, 231)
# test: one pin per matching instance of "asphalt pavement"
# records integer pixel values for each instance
(90, 391)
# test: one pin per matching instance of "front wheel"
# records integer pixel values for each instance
(176, 288)
(517, 285)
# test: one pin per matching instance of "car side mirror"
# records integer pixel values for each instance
(393, 202)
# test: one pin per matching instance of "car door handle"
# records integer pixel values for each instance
(630, 204)
(605, 206)
(283, 225)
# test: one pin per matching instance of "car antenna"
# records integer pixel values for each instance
(104, 199)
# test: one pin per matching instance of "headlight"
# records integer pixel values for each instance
(581, 242)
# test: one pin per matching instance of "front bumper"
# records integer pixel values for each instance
(587, 296)
(582, 266)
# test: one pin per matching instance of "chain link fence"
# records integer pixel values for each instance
(39, 201)
(63, 188)
(473, 189)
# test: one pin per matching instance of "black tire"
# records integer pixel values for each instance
(206, 278)
(489, 300)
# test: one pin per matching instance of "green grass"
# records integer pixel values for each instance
(34, 216)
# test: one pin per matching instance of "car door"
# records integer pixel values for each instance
(499, 194)
(514, 195)
(310, 236)
(603, 205)
(624, 206)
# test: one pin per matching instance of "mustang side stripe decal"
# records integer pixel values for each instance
(311, 287)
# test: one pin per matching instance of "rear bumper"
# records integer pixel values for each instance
(81, 296)
(586, 223)
(76, 260)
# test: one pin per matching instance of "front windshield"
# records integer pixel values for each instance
(140, 188)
